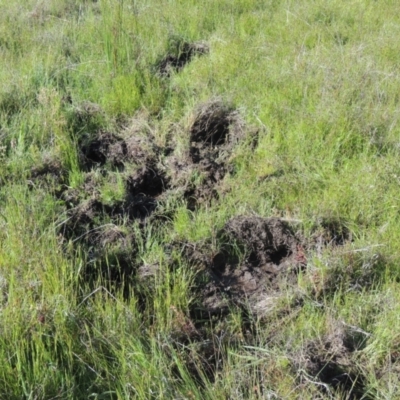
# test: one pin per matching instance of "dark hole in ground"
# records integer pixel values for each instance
(104, 147)
(181, 54)
(216, 129)
(147, 181)
(210, 144)
(268, 240)
(281, 254)
(211, 125)
(139, 206)
(331, 231)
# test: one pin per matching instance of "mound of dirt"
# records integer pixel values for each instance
(100, 154)
(151, 174)
(227, 282)
(211, 124)
(180, 56)
(215, 129)
(104, 230)
(331, 361)
(141, 149)
(87, 214)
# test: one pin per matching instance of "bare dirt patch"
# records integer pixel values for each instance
(270, 259)
(86, 211)
(269, 241)
(143, 189)
(255, 258)
(330, 363)
(180, 55)
(102, 148)
(215, 130)
(211, 124)
(148, 180)
(116, 151)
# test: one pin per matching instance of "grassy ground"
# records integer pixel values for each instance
(115, 213)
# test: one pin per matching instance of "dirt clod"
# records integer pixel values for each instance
(132, 147)
(211, 125)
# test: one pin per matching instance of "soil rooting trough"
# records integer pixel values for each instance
(147, 181)
(115, 151)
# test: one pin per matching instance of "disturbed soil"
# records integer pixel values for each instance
(331, 361)
(271, 260)
(213, 134)
(254, 259)
(180, 55)
(50, 175)
(252, 262)
(108, 230)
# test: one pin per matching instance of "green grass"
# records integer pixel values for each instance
(318, 80)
